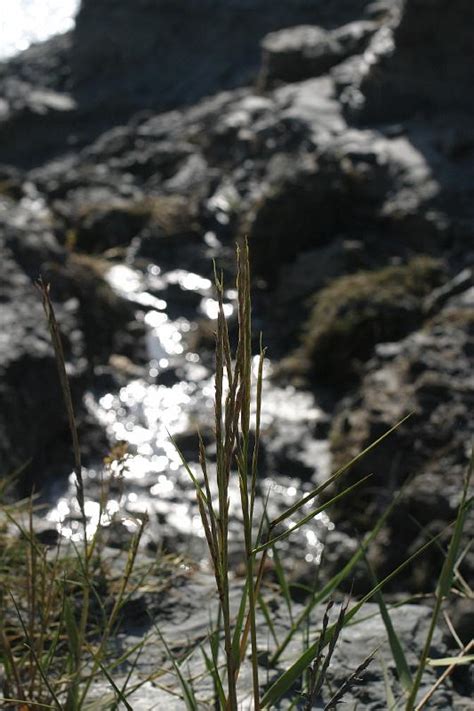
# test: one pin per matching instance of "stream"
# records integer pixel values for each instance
(173, 395)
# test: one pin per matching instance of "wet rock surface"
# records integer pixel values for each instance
(428, 374)
(184, 622)
(356, 195)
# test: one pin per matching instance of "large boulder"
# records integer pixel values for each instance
(345, 182)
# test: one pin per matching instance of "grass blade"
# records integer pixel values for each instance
(337, 579)
(311, 515)
(401, 664)
(39, 666)
(188, 693)
(289, 677)
(319, 489)
(445, 580)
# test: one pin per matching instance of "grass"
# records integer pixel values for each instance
(60, 611)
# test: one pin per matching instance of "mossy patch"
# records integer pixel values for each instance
(101, 227)
(354, 313)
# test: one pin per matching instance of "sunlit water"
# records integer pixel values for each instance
(23, 22)
(143, 413)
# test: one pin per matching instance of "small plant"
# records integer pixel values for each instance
(236, 457)
(58, 607)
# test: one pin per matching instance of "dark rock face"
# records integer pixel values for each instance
(34, 435)
(125, 57)
(32, 418)
(429, 374)
(182, 49)
(421, 65)
(308, 51)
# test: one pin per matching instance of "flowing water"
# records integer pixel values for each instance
(174, 395)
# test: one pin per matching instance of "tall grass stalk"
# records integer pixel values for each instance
(44, 289)
(236, 457)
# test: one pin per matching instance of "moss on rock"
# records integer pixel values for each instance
(354, 313)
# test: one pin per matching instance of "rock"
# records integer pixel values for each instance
(297, 53)
(409, 73)
(459, 284)
(311, 271)
(63, 93)
(108, 226)
(105, 317)
(462, 617)
(33, 422)
(181, 609)
(171, 230)
(306, 51)
(354, 313)
(429, 374)
(349, 181)
(11, 183)
(93, 321)
(169, 63)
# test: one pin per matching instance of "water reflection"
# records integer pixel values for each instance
(144, 413)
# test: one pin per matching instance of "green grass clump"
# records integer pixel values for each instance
(354, 313)
(52, 646)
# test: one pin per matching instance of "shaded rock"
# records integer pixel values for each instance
(105, 317)
(34, 430)
(33, 421)
(462, 617)
(181, 300)
(351, 180)
(459, 284)
(11, 183)
(63, 93)
(411, 72)
(308, 51)
(188, 443)
(169, 377)
(113, 225)
(311, 271)
(164, 52)
(430, 374)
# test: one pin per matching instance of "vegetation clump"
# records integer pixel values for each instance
(109, 227)
(354, 313)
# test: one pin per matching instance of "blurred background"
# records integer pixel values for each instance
(141, 140)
